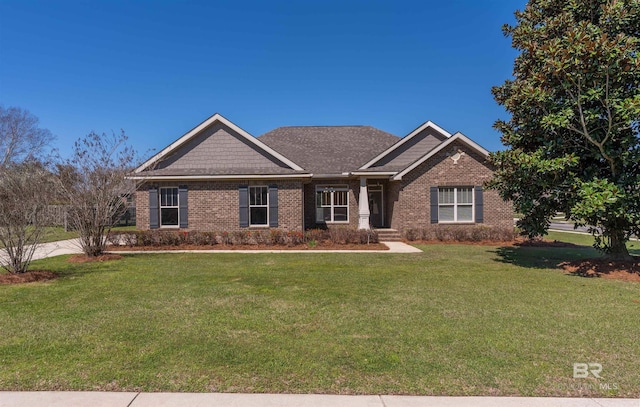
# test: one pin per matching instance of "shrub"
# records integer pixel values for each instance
(170, 238)
(202, 238)
(295, 238)
(461, 233)
(278, 237)
(316, 235)
(130, 238)
(114, 238)
(338, 235)
(367, 236)
(261, 237)
(148, 238)
(223, 238)
(413, 234)
(268, 237)
(239, 237)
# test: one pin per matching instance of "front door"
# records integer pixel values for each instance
(376, 209)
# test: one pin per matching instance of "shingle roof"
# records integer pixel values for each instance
(329, 149)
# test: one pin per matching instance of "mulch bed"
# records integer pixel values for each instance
(28, 277)
(33, 276)
(321, 246)
(547, 243)
(516, 242)
(467, 243)
(604, 268)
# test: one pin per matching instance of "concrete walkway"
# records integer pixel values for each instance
(72, 246)
(52, 249)
(104, 399)
(394, 247)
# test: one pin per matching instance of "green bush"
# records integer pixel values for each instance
(268, 237)
(461, 233)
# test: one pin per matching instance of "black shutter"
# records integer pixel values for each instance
(183, 206)
(479, 205)
(273, 206)
(153, 208)
(434, 204)
(243, 192)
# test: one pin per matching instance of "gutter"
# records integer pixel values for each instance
(214, 177)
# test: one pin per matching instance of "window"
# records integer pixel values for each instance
(169, 207)
(455, 204)
(258, 206)
(332, 204)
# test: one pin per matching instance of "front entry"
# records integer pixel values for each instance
(376, 209)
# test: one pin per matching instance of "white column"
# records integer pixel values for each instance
(363, 205)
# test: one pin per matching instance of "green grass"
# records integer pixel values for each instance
(588, 240)
(55, 233)
(455, 320)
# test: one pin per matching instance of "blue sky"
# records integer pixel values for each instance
(158, 68)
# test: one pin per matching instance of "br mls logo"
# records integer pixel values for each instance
(582, 370)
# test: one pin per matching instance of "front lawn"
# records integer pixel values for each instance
(588, 240)
(455, 320)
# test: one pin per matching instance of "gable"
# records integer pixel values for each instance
(218, 147)
(410, 151)
(452, 144)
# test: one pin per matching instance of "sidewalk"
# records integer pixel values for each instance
(104, 399)
(394, 247)
(72, 246)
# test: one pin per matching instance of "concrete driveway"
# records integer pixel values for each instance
(44, 250)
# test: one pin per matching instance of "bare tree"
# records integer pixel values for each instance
(25, 191)
(95, 184)
(26, 187)
(21, 138)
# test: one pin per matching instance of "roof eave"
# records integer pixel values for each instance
(215, 177)
(374, 173)
(328, 176)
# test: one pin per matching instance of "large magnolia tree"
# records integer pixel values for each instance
(573, 139)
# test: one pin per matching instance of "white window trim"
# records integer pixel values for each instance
(455, 206)
(333, 188)
(258, 206)
(160, 207)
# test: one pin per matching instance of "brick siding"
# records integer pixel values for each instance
(310, 202)
(214, 206)
(408, 200)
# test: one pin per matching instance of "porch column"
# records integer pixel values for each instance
(363, 205)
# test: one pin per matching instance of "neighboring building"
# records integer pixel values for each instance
(219, 177)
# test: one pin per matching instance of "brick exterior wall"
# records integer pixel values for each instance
(310, 202)
(214, 205)
(408, 200)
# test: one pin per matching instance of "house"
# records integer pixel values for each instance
(219, 177)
